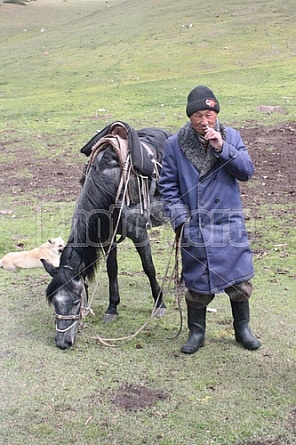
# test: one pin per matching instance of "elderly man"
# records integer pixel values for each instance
(201, 168)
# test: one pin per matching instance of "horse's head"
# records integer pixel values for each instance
(67, 292)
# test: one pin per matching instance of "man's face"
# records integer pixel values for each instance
(202, 119)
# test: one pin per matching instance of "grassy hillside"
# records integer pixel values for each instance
(96, 60)
(69, 67)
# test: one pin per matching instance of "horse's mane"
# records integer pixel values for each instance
(91, 219)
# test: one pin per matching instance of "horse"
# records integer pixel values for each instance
(119, 197)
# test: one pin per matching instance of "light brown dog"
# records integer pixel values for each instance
(29, 259)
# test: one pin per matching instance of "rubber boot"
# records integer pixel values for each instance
(241, 317)
(197, 328)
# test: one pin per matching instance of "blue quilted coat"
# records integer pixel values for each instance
(215, 248)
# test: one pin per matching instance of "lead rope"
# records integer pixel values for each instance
(174, 277)
(125, 178)
(177, 281)
(106, 255)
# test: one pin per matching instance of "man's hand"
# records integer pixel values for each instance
(215, 139)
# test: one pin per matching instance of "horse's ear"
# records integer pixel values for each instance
(49, 267)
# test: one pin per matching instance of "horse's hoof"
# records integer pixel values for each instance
(159, 312)
(109, 318)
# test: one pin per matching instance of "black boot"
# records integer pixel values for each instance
(241, 317)
(197, 328)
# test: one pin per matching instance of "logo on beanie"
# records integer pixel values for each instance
(211, 103)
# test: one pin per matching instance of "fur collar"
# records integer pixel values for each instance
(201, 157)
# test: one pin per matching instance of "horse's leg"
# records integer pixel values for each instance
(144, 251)
(114, 298)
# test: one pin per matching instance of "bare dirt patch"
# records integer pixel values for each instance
(137, 398)
(272, 150)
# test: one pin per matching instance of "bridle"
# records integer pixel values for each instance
(77, 319)
(84, 309)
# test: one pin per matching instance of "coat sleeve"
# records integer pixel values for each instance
(169, 187)
(235, 158)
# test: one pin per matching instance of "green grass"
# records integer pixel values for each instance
(67, 69)
(123, 60)
(221, 395)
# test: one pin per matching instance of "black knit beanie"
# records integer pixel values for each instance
(201, 98)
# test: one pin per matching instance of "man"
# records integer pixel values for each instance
(201, 168)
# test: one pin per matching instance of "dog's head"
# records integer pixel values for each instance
(57, 245)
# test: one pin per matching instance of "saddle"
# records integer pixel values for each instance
(145, 146)
(139, 152)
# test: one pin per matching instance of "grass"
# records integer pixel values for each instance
(221, 395)
(120, 59)
(67, 69)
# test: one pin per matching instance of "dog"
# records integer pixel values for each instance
(29, 259)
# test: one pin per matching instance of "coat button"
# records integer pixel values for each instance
(217, 200)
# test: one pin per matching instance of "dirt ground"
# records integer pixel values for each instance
(271, 149)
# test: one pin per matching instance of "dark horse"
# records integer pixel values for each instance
(119, 196)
